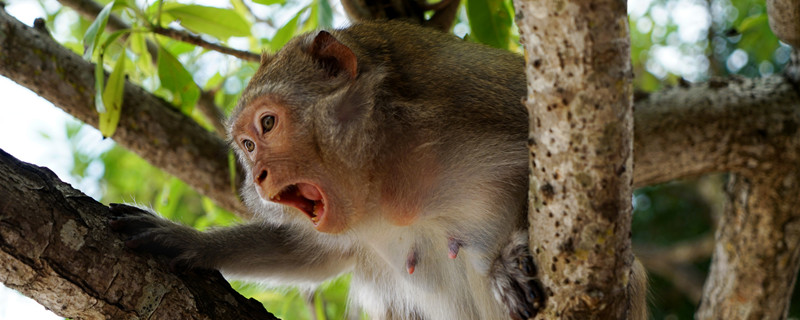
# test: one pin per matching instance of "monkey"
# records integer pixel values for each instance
(389, 151)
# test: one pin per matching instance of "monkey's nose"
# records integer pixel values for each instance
(261, 176)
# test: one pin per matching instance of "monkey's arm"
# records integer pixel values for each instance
(247, 250)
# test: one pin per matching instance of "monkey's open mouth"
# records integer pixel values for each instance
(305, 197)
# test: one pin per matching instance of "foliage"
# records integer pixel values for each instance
(671, 40)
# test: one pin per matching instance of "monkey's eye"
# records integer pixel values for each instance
(249, 145)
(267, 122)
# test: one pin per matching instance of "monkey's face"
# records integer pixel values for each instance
(286, 165)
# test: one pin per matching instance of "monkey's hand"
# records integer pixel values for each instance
(152, 233)
(513, 275)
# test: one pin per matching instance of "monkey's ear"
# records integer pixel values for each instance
(334, 56)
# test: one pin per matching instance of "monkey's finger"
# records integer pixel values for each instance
(180, 264)
(152, 241)
(121, 209)
(527, 265)
(131, 224)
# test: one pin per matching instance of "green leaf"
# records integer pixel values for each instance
(752, 23)
(269, 2)
(99, 77)
(286, 32)
(138, 45)
(490, 21)
(325, 16)
(112, 97)
(178, 80)
(218, 22)
(92, 35)
(113, 37)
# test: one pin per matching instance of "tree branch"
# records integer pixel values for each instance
(56, 247)
(757, 253)
(674, 263)
(148, 125)
(688, 131)
(198, 41)
(784, 20)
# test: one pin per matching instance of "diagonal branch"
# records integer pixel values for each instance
(675, 263)
(149, 126)
(56, 247)
(198, 41)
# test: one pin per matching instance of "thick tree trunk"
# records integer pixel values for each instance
(581, 142)
(55, 246)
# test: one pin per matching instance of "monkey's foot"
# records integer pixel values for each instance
(152, 233)
(513, 276)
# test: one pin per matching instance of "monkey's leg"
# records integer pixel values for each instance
(513, 276)
(248, 250)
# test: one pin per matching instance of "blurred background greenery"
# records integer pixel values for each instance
(673, 41)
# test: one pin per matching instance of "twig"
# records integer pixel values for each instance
(674, 263)
(196, 40)
(90, 9)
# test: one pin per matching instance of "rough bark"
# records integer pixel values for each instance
(757, 252)
(711, 127)
(148, 126)
(784, 20)
(581, 141)
(55, 246)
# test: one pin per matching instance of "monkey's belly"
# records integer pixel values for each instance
(440, 288)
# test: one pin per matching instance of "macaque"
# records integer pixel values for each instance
(387, 150)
